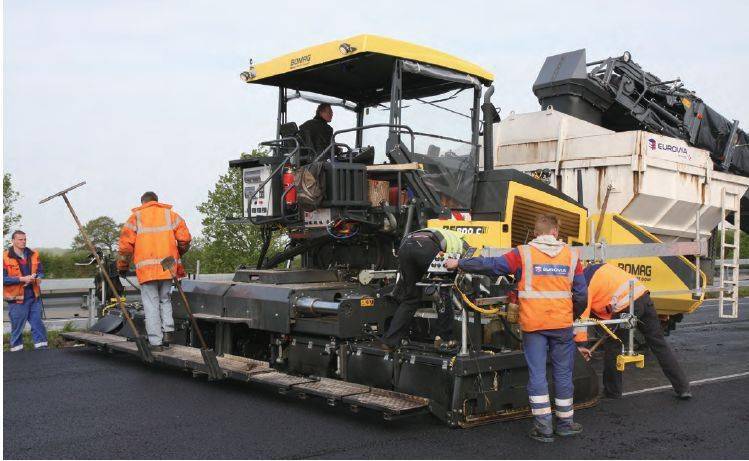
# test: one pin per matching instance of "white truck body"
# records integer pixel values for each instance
(657, 182)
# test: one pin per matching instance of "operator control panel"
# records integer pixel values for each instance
(437, 266)
(260, 203)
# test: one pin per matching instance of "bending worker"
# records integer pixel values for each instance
(550, 286)
(418, 249)
(608, 297)
(152, 233)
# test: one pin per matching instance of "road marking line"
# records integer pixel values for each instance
(711, 324)
(691, 383)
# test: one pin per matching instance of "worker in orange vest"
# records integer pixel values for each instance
(153, 232)
(608, 297)
(22, 274)
(551, 287)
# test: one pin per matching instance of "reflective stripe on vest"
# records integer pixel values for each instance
(169, 226)
(152, 262)
(532, 294)
(620, 300)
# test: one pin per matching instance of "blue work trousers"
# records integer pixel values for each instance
(560, 346)
(30, 310)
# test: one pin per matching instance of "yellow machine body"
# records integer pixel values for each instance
(658, 274)
(513, 225)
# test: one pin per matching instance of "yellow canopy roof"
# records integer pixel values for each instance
(355, 68)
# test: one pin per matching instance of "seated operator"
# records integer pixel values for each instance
(317, 132)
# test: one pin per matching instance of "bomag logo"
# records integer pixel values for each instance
(470, 230)
(300, 61)
(643, 272)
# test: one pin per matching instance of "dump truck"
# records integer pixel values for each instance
(304, 320)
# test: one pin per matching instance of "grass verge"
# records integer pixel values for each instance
(54, 340)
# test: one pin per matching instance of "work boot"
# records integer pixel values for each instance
(156, 348)
(536, 434)
(168, 338)
(569, 430)
(383, 345)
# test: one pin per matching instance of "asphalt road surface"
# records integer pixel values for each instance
(80, 403)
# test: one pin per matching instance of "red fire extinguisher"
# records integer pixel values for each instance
(288, 185)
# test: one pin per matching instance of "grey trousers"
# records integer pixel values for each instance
(158, 307)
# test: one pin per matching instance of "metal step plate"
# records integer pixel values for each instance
(92, 338)
(388, 401)
(331, 389)
(280, 380)
(249, 370)
(242, 365)
(124, 346)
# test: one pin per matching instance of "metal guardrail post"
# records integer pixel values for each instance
(464, 333)
(463, 325)
(631, 345)
(697, 285)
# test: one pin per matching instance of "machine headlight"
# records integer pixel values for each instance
(248, 75)
(345, 48)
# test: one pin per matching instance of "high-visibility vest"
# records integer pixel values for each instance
(608, 294)
(450, 241)
(150, 235)
(15, 292)
(608, 291)
(545, 288)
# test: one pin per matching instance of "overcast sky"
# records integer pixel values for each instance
(136, 95)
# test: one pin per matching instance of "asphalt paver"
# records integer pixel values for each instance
(82, 403)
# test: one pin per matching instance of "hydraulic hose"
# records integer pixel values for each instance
(409, 220)
(478, 309)
(294, 251)
(264, 249)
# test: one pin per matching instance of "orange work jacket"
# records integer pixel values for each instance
(15, 292)
(151, 234)
(545, 288)
(608, 294)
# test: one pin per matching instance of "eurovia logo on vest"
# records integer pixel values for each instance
(551, 269)
(680, 151)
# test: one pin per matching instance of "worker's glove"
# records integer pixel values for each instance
(183, 247)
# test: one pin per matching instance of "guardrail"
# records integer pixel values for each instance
(71, 293)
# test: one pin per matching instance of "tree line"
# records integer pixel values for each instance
(221, 248)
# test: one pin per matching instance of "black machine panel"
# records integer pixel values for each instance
(617, 94)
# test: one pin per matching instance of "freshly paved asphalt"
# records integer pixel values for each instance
(80, 403)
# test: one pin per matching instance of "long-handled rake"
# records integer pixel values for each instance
(140, 341)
